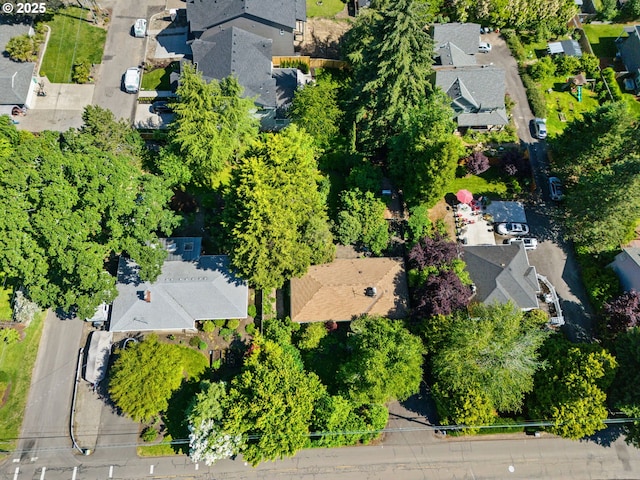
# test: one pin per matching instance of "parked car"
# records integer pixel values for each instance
(512, 229)
(555, 188)
(161, 107)
(541, 128)
(484, 47)
(529, 243)
(140, 28)
(131, 80)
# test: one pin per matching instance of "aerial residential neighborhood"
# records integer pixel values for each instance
(335, 238)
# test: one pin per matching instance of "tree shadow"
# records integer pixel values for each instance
(174, 418)
(606, 437)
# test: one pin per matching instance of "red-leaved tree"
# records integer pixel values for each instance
(623, 312)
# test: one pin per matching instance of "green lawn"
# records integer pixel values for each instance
(163, 449)
(490, 183)
(563, 102)
(5, 301)
(324, 8)
(16, 365)
(602, 38)
(73, 40)
(159, 79)
(634, 105)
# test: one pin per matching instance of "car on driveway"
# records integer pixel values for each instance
(484, 47)
(131, 81)
(161, 107)
(516, 229)
(529, 243)
(541, 128)
(140, 28)
(555, 188)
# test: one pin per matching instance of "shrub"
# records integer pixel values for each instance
(24, 309)
(514, 164)
(81, 72)
(216, 364)
(208, 326)
(252, 311)
(543, 68)
(609, 76)
(233, 324)
(194, 341)
(202, 345)
(250, 328)
(567, 64)
(418, 225)
(9, 336)
(149, 434)
(590, 64)
(515, 45)
(220, 322)
(477, 163)
(226, 334)
(536, 98)
(22, 49)
(299, 64)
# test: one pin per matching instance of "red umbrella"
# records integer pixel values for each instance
(464, 196)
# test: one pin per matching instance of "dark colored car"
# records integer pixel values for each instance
(161, 107)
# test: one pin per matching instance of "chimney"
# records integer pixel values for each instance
(147, 296)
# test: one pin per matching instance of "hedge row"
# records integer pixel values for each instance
(537, 102)
(609, 76)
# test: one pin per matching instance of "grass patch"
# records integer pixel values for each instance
(73, 40)
(634, 105)
(5, 302)
(324, 8)
(159, 79)
(163, 449)
(489, 183)
(16, 365)
(602, 38)
(563, 102)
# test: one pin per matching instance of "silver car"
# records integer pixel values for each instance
(515, 229)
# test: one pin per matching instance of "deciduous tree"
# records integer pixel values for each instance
(361, 220)
(623, 312)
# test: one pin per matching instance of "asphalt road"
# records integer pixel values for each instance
(122, 50)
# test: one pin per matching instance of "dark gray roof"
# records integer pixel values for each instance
(204, 14)
(449, 54)
(502, 273)
(477, 94)
(629, 48)
(567, 47)
(466, 36)
(183, 293)
(627, 266)
(15, 77)
(233, 51)
(286, 84)
(182, 248)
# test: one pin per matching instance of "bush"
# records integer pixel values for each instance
(543, 68)
(536, 98)
(567, 65)
(514, 164)
(609, 76)
(220, 322)
(418, 225)
(202, 345)
(24, 309)
(602, 284)
(9, 336)
(149, 434)
(208, 326)
(590, 64)
(515, 45)
(81, 72)
(22, 49)
(299, 64)
(233, 324)
(226, 334)
(194, 341)
(250, 328)
(252, 311)
(477, 163)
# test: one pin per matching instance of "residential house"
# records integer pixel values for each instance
(501, 273)
(629, 52)
(476, 91)
(627, 266)
(347, 288)
(240, 37)
(565, 47)
(17, 79)
(191, 287)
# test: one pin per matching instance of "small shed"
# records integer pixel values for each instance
(565, 47)
(98, 356)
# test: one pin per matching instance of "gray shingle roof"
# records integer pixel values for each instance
(567, 47)
(183, 293)
(629, 48)
(204, 14)
(627, 266)
(502, 273)
(15, 77)
(466, 36)
(233, 51)
(286, 84)
(450, 54)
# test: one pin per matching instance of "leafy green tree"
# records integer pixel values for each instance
(275, 218)
(492, 355)
(22, 49)
(571, 390)
(632, 8)
(213, 127)
(590, 64)
(391, 53)
(425, 155)
(543, 68)
(311, 335)
(625, 391)
(361, 220)
(315, 108)
(69, 207)
(385, 362)
(9, 336)
(271, 404)
(144, 376)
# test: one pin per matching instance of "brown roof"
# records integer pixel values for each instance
(336, 291)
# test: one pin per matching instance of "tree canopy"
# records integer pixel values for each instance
(213, 126)
(625, 391)
(361, 221)
(275, 218)
(67, 208)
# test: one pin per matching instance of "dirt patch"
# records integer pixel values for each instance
(442, 211)
(323, 37)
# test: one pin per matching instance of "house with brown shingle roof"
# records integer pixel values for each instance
(347, 288)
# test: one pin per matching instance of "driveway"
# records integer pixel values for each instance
(555, 257)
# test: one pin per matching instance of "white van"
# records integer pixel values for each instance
(132, 80)
(140, 28)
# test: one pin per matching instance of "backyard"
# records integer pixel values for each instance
(602, 39)
(73, 40)
(324, 8)
(159, 78)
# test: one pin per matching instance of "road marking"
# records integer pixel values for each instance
(15, 475)
(197, 466)
(16, 460)
(33, 459)
(111, 471)
(44, 469)
(150, 469)
(75, 472)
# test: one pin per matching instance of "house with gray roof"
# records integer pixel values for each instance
(629, 52)
(17, 79)
(627, 267)
(477, 95)
(191, 287)
(501, 273)
(456, 43)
